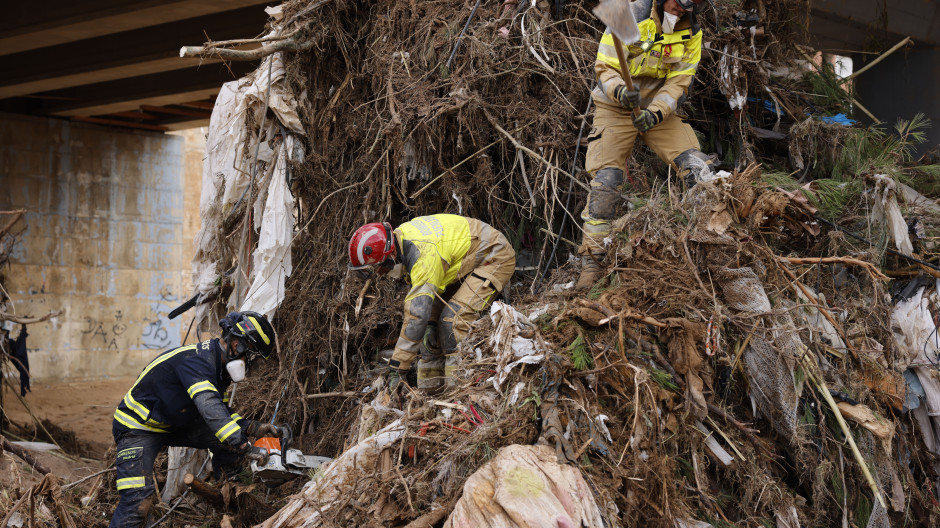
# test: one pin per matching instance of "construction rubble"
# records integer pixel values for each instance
(762, 349)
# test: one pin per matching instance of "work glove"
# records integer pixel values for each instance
(647, 120)
(629, 99)
(256, 454)
(394, 380)
(270, 430)
(258, 429)
(431, 341)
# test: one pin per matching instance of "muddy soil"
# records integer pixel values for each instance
(84, 407)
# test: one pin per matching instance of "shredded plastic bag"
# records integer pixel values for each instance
(514, 340)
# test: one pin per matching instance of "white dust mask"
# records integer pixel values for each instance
(397, 271)
(669, 22)
(236, 369)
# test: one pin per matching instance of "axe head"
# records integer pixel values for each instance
(618, 16)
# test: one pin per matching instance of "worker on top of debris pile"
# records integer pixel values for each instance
(434, 253)
(662, 65)
(177, 401)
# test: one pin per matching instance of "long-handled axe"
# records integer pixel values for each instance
(618, 16)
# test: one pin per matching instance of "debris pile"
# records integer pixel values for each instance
(762, 349)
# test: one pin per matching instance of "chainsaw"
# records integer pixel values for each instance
(284, 463)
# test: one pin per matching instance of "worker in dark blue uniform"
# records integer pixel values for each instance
(177, 401)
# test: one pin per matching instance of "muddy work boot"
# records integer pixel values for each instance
(431, 376)
(590, 271)
(694, 166)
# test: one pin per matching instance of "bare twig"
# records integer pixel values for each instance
(245, 55)
(30, 411)
(532, 153)
(22, 453)
(83, 479)
(812, 298)
(816, 377)
(880, 58)
(17, 214)
(563, 239)
(868, 266)
(29, 320)
(343, 394)
(635, 316)
(15, 507)
(468, 158)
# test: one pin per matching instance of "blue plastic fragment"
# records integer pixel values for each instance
(838, 119)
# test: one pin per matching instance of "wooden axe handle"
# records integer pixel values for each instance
(624, 69)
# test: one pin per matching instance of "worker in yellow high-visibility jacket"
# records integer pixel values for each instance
(433, 253)
(662, 65)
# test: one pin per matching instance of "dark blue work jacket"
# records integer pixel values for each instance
(177, 391)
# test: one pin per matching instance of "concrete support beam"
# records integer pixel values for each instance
(30, 25)
(843, 25)
(123, 95)
(129, 54)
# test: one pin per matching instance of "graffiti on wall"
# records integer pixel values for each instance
(112, 332)
(105, 334)
(157, 333)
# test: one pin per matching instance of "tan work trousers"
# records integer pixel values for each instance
(611, 140)
(610, 143)
(478, 289)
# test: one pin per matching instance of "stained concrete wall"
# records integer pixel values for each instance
(104, 241)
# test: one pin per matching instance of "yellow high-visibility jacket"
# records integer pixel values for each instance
(662, 65)
(437, 251)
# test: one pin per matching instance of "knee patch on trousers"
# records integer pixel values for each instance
(448, 331)
(605, 193)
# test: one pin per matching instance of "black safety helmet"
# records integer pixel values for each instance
(253, 329)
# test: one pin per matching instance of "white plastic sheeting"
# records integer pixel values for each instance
(915, 336)
(182, 460)
(888, 211)
(230, 148)
(272, 261)
(304, 510)
(509, 341)
(526, 487)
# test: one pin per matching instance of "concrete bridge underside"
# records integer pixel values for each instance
(116, 61)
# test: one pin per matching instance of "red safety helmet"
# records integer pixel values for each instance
(371, 244)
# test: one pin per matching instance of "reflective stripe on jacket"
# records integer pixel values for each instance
(179, 388)
(661, 65)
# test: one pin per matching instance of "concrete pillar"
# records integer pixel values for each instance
(104, 241)
(902, 85)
